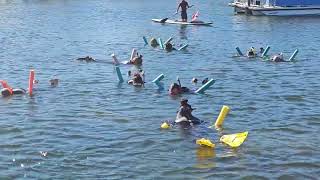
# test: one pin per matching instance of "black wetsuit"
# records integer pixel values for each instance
(186, 112)
(184, 5)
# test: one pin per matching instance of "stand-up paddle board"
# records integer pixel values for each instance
(199, 23)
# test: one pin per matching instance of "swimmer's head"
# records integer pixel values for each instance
(205, 80)
(54, 82)
(194, 80)
(184, 101)
(153, 42)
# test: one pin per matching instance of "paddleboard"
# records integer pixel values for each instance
(169, 21)
(125, 62)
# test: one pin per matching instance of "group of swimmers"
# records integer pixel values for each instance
(168, 46)
(251, 53)
(7, 91)
(177, 89)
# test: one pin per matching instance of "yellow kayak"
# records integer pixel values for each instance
(234, 140)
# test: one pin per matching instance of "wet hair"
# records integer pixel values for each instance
(169, 46)
(205, 80)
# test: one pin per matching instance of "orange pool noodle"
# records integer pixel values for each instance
(5, 85)
(31, 78)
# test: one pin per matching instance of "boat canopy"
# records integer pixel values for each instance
(294, 2)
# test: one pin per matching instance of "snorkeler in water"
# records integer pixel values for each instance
(176, 89)
(87, 59)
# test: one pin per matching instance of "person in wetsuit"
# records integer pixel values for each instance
(184, 115)
(184, 6)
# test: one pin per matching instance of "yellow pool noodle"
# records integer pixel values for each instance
(223, 113)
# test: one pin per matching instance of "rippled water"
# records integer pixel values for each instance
(94, 128)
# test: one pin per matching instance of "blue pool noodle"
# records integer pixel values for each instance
(160, 43)
(145, 40)
(294, 55)
(206, 86)
(158, 79)
(119, 74)
(265, 52)
(167, 41)
(239, 51)
(183, 47)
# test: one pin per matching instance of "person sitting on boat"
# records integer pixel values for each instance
(184, 115)
(195, 18)
(137, 60)
(137, 80)
(184, 6)
(251, 52)
(169, 47)
(8, 91)
(153, 42)
(278, 58)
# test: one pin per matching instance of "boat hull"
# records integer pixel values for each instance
(286, 11)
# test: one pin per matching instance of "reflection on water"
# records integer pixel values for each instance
(183, 32)
(205, 157)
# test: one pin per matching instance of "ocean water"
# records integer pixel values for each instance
(94, 128)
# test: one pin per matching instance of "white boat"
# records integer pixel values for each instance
(241, 6)
(278, 7)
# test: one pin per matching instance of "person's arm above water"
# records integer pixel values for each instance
(178, 7)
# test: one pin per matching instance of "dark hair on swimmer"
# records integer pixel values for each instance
(205, 80)
(184, 100)
(194, 80)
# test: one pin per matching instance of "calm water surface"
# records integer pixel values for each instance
(94, 128)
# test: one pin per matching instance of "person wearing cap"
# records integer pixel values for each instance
(278, 58)
(184, 115)
(251, 52)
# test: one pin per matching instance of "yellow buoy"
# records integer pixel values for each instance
(165, 125)
(223, 113)
(205, 142)
(234, 140)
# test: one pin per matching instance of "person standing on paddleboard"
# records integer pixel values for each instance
(184, 6)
